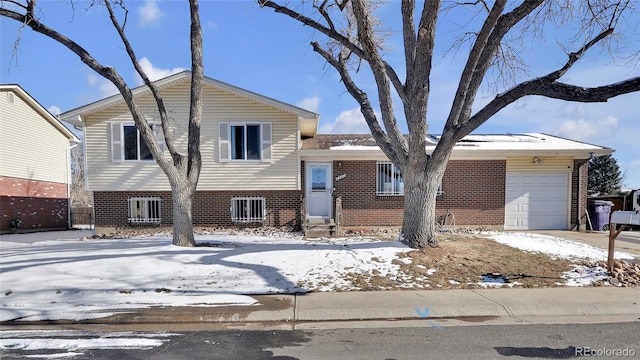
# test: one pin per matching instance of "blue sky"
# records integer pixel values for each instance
(270, 54)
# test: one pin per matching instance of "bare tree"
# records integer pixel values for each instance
(80, 197)
(354, 38)
(182, 170)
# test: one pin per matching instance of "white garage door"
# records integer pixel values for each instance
(536, 201)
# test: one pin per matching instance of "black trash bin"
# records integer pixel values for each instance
(599, 211)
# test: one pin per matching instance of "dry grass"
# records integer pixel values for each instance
(460, 261)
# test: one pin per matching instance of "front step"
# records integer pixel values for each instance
(317, 228)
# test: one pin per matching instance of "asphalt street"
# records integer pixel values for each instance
(560, 341)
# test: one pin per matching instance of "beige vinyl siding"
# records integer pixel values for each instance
(548, 164)
(219, 106)
(30, 146)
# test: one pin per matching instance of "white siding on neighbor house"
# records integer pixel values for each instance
(30, 146)
(219, 106)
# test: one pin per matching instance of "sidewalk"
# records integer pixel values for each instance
(434, 308)
(394, 308)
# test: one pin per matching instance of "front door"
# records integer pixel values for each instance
(319, 189)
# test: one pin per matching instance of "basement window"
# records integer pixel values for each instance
(144, 210)
(247, 209)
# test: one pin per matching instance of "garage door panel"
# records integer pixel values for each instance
(536, 201)
(546, 222)
(512, 208)
(545, 208)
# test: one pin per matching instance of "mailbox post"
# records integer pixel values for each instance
(624, 218)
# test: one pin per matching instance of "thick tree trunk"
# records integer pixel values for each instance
(418, 227)
(182, 197)
(420, 191)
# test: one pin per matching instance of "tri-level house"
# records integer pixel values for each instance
(265, 165)
(35, 164)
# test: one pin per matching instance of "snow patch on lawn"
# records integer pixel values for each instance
(82, 279)
(583, 275)
(553, 246)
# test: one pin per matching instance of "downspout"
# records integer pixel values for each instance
(579, 196)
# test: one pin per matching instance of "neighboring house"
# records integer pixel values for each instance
(264, 164)
(35, 164)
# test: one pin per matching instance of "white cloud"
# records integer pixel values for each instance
(92, 79)
(105, 87)
(584, 129)
(571, 110)
(153, 72)
(54, 110)
(310, 103)
(149, 14)
(348, 122)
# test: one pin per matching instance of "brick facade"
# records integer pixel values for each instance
(210, 208)
(39, 205)
(473, 190)
(579, 181)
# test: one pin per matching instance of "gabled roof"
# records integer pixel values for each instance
(471, 146)
(52, 119)
(74, 116)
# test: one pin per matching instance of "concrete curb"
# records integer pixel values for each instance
(570, 301)
(548, 305)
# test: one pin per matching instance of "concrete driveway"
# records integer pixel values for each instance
(627, 241)
(28, 238)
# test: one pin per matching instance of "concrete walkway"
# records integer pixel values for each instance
(31, 237)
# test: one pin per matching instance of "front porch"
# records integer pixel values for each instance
(314, 227)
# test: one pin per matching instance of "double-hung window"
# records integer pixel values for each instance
(127, 143)
(389, 180)
(245, 141)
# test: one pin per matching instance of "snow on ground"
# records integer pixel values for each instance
(76, 279)
(80, 279)
(74, 342)
(554, 246)
(581, 275)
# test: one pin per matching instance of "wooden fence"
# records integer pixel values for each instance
(81, 216)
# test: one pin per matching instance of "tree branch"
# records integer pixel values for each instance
(575, 56)
(105, 71)
(554, 90)
(393, 77)
(466, 87)
(361, 97)
(195, 108)
(548, 86)
(378, 68)
(461, 108)
(146, 133)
